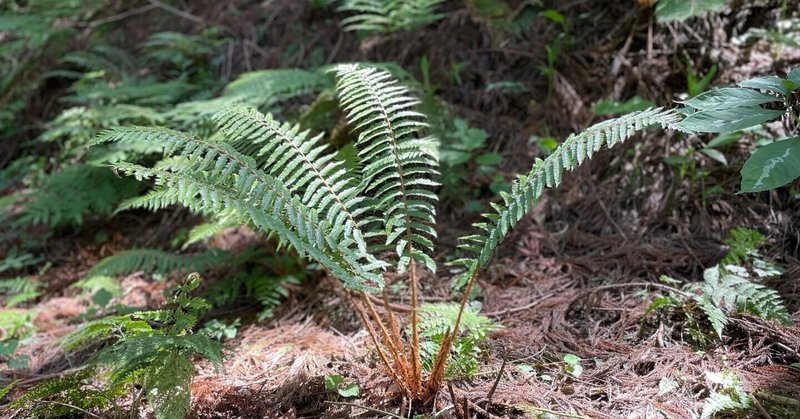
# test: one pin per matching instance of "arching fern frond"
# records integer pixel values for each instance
(213, 177)
(389, 15)
(261, 89)
(547, 173)
(154, 260)
(399, 166)
(265, 87)
(205, 231)
(301, 163)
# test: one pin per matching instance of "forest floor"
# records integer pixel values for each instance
(577, 276)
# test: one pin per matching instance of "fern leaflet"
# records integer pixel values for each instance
(436, 320)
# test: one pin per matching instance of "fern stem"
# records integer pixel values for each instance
(396, 351)
(437, 372)
(371, 330)
(392, 323)
(416, 364)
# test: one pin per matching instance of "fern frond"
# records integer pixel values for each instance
(213, 177)
(269, 291)
(167, 383)
(261, 89)
(18, 290)
(265, 87)
(301, 163)
(527, 189)
(75, 392)
(730, 288)
(154, 260)
(729, 396)
(389, 15)
(132, 354)
(92, 190)
(398, 164)
(105, 328)
(438, 319)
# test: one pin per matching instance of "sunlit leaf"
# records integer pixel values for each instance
(729, 98)
(669, 10)
(770, 83)
(728, 119)
(772, 166)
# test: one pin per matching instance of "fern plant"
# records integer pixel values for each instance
(389, 15)
(267, 283)
(435, 322)
(728, 395)
(731, 289)
(93, 190)
(149, 350)
(356, 220)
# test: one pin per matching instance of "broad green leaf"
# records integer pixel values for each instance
(771, 83)
(19, 361)
(728, 119)
(729, 98)
(332, 382)
(8, 347)
(572, 359)
(102, 297)
(454, 157)
(669, 10)
(553, 15)
(772, 166)
(794, 76)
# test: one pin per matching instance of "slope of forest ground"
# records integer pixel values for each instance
(578, 276)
